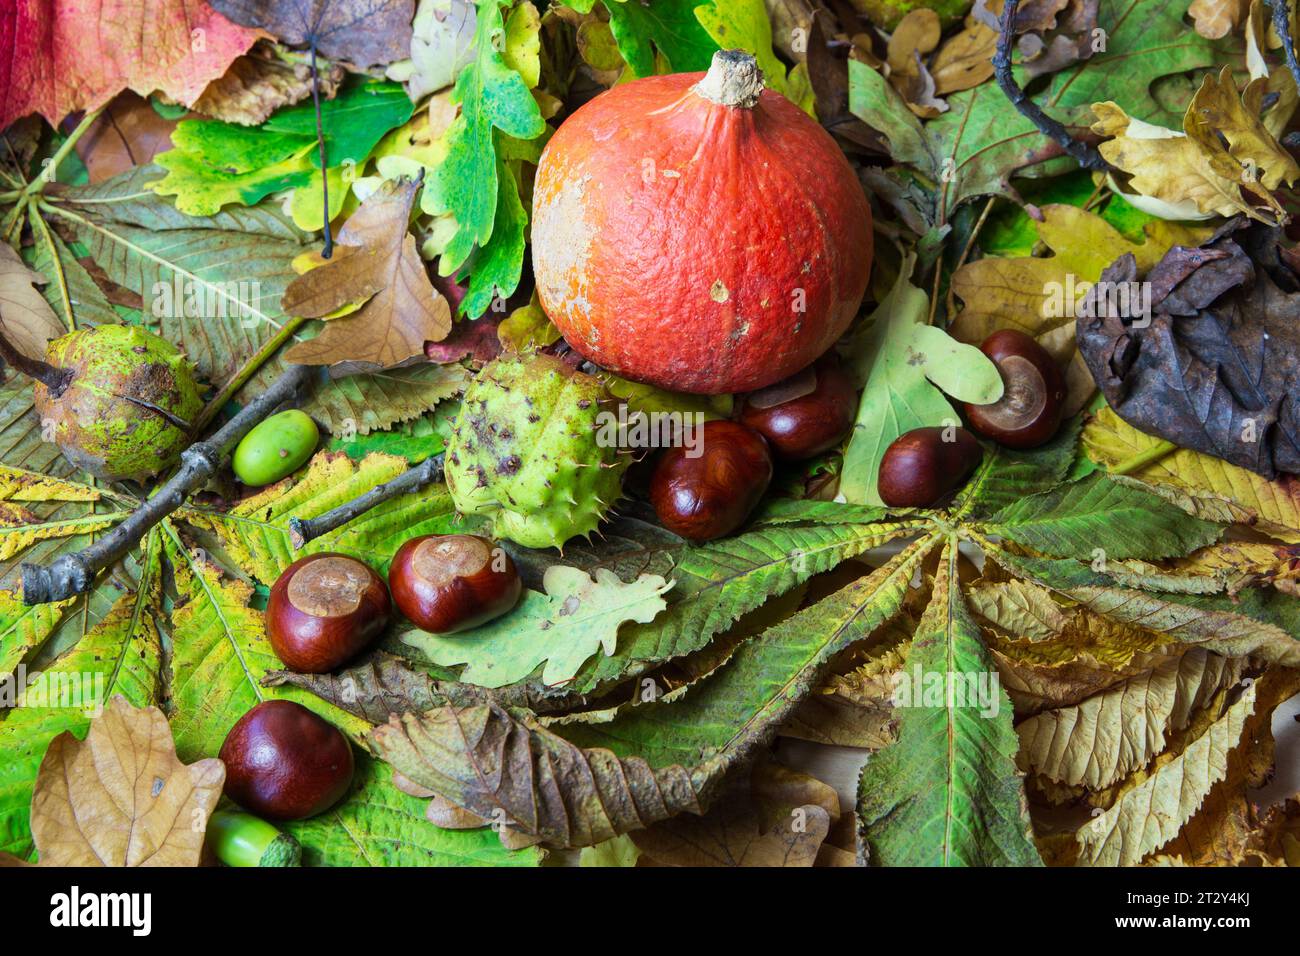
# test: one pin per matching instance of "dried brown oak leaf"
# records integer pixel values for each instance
(260, 83)
(121, 797)
(376, 262)
(366, 33)
(1217, 367)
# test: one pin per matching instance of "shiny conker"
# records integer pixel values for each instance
(324, 610)
(806, 414)
(285, 763)
(921, 467)
(452, 582)
(711, 495)
(1033, 399)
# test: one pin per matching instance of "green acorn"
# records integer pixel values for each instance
(124, 406)
(526, 450)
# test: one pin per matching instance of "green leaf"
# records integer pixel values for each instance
(220, 655)
(666, 26)
(564, 627)
(1118, 518)
(718, 582)
(745, 25)
(491, 96)
(973, 148)
(362, 404)
(23, 629)
(1005, 476)
(497, 265)
(71, 292)
(216, 163)
(948, 792)
(378, 825)
(579, 784)
(907, 365)
(255, 532)
(120, 655)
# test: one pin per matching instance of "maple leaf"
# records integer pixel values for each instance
(364, 32)
(377, 261)
(57, 66)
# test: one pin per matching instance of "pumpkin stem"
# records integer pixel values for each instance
(734, 79)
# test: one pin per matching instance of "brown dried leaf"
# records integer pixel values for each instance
(120, 797)
(25, 315)
(258, 84)
(376, 261)
(1215, 19)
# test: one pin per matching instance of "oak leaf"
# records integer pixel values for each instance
(25, 316)
(121, 797)
(376, 260)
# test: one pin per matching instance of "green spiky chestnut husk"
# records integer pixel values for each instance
(525, 451)
(109, 419)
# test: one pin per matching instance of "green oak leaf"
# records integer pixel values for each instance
(668, 27)
(576, 617)
(491, 96)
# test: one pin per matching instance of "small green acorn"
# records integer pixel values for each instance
(525, 450)
(127, 405)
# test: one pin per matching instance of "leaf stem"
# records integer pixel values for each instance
(74, 574)
(1143, 458)
(247, 371)
(52, 164)
(302, 530)
(1084, 154)
(328, 249)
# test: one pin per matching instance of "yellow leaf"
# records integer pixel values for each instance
(1109, 440)
(20, 528)
(16, 484)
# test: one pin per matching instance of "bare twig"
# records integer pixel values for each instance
(75, 573)
(302, 530)
(1084, 154)
(1282, 25)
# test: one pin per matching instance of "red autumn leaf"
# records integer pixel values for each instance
(75, 55)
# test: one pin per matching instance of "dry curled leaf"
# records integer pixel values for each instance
(121, 797)
(24, 314)
(258, 84)
(375, 262)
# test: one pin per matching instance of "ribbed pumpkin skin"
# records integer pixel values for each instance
(672, 236)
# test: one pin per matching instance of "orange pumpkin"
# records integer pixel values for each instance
(699, 232)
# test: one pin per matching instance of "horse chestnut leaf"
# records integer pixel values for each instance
(921, 467)
(1033, 399)
(805, 414)
(452, 582)
(285, 763)
(324, 610)
(712, 494)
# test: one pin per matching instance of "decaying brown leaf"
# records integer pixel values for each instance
(1215, 19)
(261, 82)
(376, 261)
(121, 797)
(27, 318)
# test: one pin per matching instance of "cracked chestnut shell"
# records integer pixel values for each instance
(711, 495)
(806, 414)
(324, 610)
(920, 468)
(452, 582)
(1033, 399)
(285, 763)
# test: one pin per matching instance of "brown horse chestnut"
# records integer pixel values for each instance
(805, 414)
(1033, 400)
(284, 763)
(324, 610)
(712, 494)
(920, 467)
(452, 582)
